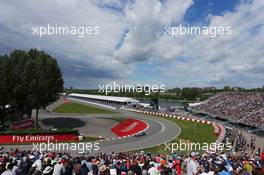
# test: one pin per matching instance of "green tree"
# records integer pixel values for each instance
(227, 88)
(33, 80)
(3, 95)
(46, 80)
(190, 93)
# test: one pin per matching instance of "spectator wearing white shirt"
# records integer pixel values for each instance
(153, 170)
(8, 170)
(191, 164)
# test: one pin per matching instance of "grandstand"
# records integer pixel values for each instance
(238, 107)
(110, 100)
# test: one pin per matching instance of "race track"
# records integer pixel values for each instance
(160, 131)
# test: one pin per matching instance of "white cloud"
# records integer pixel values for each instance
(144, 26)
(235, 59)
(229, 59)
(18, 18)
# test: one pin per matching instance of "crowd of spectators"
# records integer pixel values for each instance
(15, 162)
(244, 159)
(241, 107)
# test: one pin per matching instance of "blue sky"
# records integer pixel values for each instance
(196, 14)
(199, 11)
(132, 46)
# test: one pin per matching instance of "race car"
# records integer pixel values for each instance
(141, 134)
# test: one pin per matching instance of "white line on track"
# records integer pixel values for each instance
(162, 125)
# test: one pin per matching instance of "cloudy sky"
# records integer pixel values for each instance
(132, 46)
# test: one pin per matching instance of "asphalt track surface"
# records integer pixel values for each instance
(160, 131)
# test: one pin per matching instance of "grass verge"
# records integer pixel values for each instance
(118, 119)
(78, 108)
(191, 132)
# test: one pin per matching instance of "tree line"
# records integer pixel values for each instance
(28, 80)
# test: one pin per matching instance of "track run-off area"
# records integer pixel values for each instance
(157, 132)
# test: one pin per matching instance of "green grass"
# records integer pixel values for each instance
(192, 132)
(195, 132)
(89, 139)
(78, 108)
(118, 119)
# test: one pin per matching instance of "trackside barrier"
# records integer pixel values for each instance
(219, 129)
(171, 116)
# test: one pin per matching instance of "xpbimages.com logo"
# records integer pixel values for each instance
(183, 145)
(80, 147)
(79, 31)
(211, 31)
(138, 88)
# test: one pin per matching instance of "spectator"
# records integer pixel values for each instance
(48, 171)
(15, 169)
(242, 107)
(191, 165)
(58, 168)
(84, 169)
(223, 170)
(153, 170)
(8, 170)
(37, 167)
(131, 164)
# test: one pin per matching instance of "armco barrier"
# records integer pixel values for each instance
(172, 116)
(218, 128)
